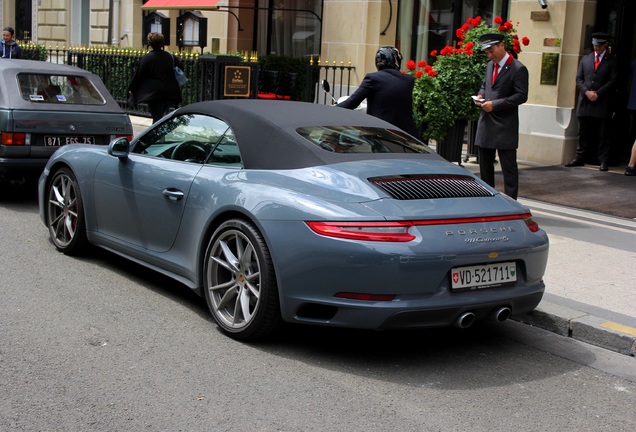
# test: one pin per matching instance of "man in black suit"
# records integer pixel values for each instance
(505, 87)
(389, 92)
(595, 80)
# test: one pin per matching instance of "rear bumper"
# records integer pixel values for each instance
(420, 314)
(13, 167)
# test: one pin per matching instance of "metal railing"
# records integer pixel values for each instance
(205, 73)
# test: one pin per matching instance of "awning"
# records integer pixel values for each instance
(180, 4)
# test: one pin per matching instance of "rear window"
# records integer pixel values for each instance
(58, 89)
(346, 139)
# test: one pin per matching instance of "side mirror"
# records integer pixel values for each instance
(119, 147)
(327, 88)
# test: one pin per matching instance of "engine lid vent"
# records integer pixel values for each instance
(413, 187)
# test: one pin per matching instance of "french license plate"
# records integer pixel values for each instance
(483, 276)
(58, 141)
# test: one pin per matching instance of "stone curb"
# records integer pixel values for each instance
(582, 327)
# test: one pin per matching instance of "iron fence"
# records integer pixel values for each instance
(205, 73)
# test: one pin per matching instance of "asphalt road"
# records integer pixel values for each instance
(100, 344)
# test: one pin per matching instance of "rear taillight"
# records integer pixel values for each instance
(365, 296)
(399, 231)
(532, 225)
(15, 138)
(373, 231)
(129, 137)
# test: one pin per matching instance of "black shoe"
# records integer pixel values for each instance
(630, 171)
(602, 166)
(575, 162)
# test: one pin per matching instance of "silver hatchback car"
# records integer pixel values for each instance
(44, 106)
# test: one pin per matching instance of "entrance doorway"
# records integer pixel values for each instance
(23, 23)
(617, 17)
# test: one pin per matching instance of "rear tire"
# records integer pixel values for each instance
(239, 282)
(65, 213)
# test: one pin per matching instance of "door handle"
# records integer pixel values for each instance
(172, 194)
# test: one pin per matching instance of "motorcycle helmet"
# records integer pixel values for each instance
(388, 57)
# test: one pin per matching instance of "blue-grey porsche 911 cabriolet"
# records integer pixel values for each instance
(298, 212)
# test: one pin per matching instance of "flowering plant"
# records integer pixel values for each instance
(474, 28)
(442, 91)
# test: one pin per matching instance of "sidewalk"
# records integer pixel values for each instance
(580, 275)
(577, 272)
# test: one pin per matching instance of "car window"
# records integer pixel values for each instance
(194, 138)
(58, 89)
(345, 139)
(226, 152)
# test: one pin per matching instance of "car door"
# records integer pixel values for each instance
(140, 200)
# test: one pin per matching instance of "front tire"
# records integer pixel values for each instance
(65, 213)
(239, 282)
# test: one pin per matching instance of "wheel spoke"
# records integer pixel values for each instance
(253, 289)
(227, 297)
(230, 258)
(244, 299)
(70, 226)
(224, 264)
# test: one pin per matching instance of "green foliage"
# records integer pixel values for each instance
(460, 77)
(431, 108)
(299, 66)
(33, 51)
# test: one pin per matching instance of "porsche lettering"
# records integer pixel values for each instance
(481, 231)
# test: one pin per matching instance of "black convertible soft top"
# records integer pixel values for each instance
(267, 137)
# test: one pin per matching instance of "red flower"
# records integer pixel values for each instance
(418, 74)
(410, 65)
(525, 41)
(498, 20)
(421, 64)
(432, 73)
(469, 46)
(434, 53)
(474, 22)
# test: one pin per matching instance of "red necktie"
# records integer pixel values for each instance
(494, 73)
(596, 61)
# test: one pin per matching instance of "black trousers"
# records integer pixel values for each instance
(509, 169)
(594, 131)
(158, 109)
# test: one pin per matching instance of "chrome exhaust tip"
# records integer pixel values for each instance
(465, 320)
(501, 314)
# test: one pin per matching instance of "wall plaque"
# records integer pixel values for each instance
(237, 81)
(552, 42)
(540, 16)
(549, 68)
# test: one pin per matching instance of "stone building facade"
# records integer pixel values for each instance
(350, 31)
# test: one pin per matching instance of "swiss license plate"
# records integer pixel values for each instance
(57, 141)
(483, 276)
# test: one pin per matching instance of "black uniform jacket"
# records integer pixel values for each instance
(389, 95)
(499, 129)
(601, 80)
